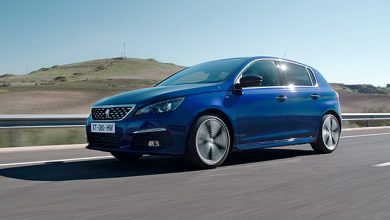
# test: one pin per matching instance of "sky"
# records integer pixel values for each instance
(347, 41)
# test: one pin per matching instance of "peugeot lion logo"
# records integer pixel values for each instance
(107, 113)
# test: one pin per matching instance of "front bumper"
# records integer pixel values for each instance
(133, 134)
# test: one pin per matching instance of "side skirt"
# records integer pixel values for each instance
(276, 143)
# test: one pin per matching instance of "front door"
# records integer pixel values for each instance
(261, 111)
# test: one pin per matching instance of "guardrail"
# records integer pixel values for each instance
(42, 121)
(365, 116)
(78, 120)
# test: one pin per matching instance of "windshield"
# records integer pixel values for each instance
(210, 72)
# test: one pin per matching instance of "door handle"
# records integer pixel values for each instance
(315, 96)
(281, 98)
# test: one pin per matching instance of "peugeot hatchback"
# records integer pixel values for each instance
(206, 111)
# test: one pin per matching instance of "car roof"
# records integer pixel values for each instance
(275, 58)
(252, 58)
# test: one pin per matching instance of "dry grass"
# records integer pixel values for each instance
(104, 69)
(358, 102)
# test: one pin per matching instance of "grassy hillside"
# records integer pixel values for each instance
(116, 72)
(363, 98)
(362, 88)
(73, 88)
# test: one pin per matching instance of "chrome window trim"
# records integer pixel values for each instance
(278, 87)
(313, 79)
(113, 106)
(280, 60)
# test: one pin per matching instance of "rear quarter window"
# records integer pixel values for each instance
(313, 78)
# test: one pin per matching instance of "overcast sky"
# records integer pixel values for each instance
(348, 41)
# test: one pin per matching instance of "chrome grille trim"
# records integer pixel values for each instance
(115, 112)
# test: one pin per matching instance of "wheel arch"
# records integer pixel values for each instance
(319, 144)
(223, 116)
(334, 113)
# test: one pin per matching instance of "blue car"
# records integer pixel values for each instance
(206, 111)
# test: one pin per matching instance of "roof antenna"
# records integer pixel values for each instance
(285, 53)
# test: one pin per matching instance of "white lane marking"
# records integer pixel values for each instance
(382, 164)
(53, 161)
(364, 135)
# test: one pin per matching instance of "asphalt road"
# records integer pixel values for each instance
(277, 183)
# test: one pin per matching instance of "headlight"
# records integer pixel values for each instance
(159, 107)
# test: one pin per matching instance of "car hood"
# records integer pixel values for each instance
(158, 93)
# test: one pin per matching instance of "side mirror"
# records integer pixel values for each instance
(249, 81)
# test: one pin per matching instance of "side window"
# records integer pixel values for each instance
(296, 75)
(265, 69)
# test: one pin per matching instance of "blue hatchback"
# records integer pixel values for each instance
(208, 110)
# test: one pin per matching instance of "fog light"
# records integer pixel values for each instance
(154, 143)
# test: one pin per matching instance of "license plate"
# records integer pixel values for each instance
(103, 127)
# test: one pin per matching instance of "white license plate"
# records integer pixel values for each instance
(103, 127)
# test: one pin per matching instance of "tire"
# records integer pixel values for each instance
(208, 143)
(126, 156)
(328, 135)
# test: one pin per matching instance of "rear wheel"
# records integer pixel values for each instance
(209, 142)
(126, 156)
(328, 135)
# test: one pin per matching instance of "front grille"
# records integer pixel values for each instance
(110, 113)
(104, 140)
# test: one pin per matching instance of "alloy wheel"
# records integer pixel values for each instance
(330, 132)
(212, 140)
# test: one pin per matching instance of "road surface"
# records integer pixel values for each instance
(279, 183)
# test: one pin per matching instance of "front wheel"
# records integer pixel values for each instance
(209, 142)
(328, 135)
(126, 156)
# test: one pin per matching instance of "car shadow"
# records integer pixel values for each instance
(152, 165)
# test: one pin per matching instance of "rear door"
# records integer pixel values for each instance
(304, 109)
